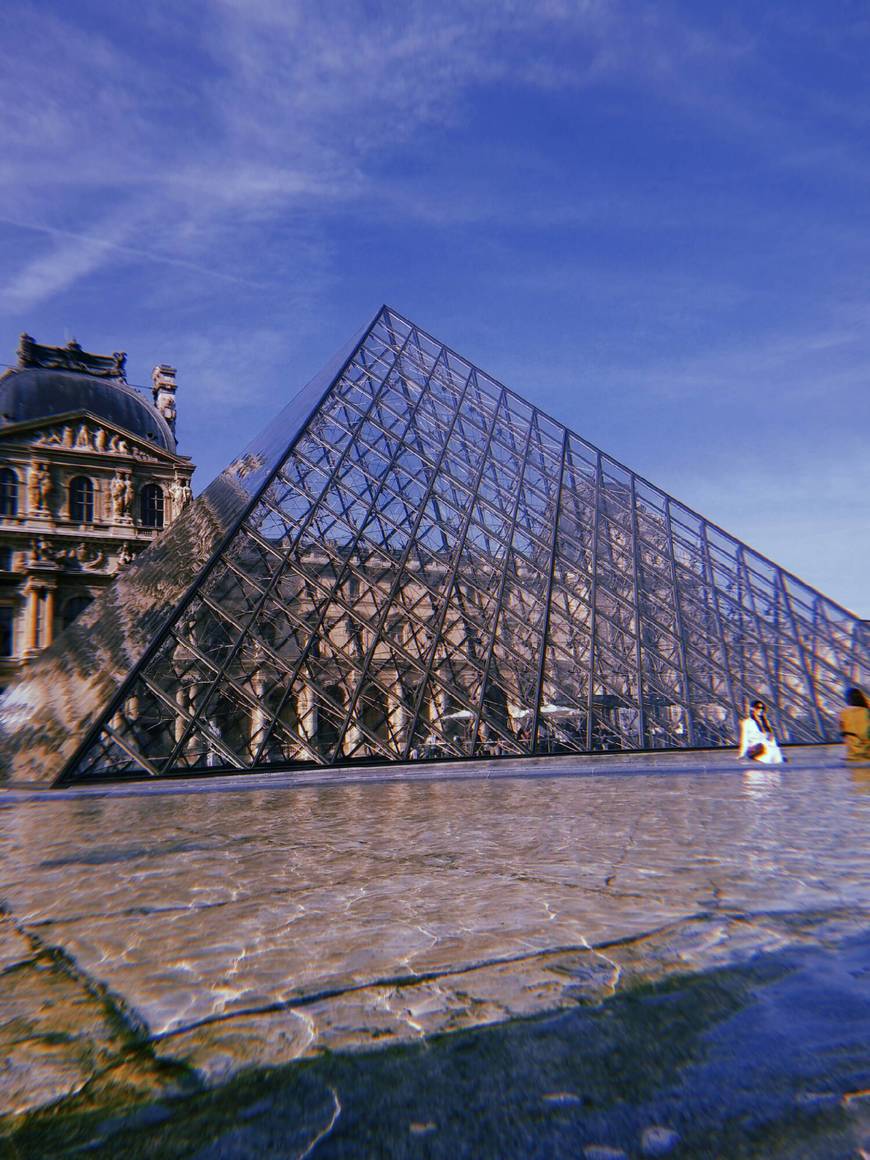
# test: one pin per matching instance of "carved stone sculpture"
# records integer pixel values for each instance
(122, 496)
(124, 557)
(181, 494)
(129, 495)
(72, 358)
(40, 551)
(39, 487)
(166, 407)
(89, 556)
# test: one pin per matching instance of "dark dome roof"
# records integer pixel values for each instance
(36, 393)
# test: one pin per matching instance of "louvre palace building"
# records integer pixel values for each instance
(410, 562)
(89, 476)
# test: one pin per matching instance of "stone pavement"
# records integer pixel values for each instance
(156, 936)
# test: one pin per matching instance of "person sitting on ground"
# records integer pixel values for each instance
(855, 726)
(757, 741)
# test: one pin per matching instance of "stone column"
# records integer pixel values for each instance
(397, 718)
(307, 713)
(439, 703)
(31, 622)
(352, 737)
(180, 723)
(49, 616)
(258, 715)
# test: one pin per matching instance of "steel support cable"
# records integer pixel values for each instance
(638, 618)
(345, 565)
(451, 577)
(593, 603)
(713, 596)
(756, 622)
(123, 691)
(400, 570)
(490, 647)
(811, 684)
(542, 659)
(678, 622)
(378, 629)
(377, 391)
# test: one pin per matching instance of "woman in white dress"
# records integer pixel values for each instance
(757, 741)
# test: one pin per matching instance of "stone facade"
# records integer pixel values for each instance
(81, 494)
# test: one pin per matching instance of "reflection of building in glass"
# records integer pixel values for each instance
(414, 562)
(89, 475)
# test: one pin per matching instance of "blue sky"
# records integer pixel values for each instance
(650, 219)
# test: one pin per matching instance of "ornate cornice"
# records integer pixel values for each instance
(72, 358)
(80, 431)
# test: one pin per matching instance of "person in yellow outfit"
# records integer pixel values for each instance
(855, 726)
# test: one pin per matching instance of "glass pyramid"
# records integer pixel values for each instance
(425, 565)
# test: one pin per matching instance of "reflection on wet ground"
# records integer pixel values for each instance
(202, 932)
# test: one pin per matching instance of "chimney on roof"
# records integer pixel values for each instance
(163, 388)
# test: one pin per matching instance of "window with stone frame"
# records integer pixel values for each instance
(7, 630)
(81, 500)
(8, 492)
(151, 506)
(7, 558)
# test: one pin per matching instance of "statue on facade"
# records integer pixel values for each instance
(124, 557)
(118, 367)
(166, 407)
(46, 439)
(89, 556)
(40, 551)
(39, 487)
(129, 495)
(180, 494)
(121, 489)
(26, 347)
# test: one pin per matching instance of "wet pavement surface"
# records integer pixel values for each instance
(521, 965)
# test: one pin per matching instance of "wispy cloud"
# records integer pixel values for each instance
(806, 362)
(72, 257)
(292, 108)
(245, 109)
(76, 255)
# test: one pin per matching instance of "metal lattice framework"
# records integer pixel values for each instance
(433, 567)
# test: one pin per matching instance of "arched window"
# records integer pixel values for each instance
(151, 506)
(73, 607)
(8, 492)
(81, 500)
